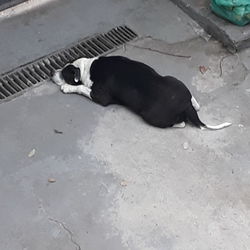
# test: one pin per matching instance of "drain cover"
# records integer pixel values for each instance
(17, 81)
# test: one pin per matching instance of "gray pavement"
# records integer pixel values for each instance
(119, 183)
(31, 35)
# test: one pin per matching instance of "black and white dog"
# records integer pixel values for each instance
(162, 101)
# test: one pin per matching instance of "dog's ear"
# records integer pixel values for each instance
(77, 74)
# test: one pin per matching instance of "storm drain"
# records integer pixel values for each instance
(17, 81)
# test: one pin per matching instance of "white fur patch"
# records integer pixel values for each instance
(84, 65)
(58, 79)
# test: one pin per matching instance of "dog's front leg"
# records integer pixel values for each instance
(79, 89)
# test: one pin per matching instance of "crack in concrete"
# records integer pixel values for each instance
(157, 51)
(61, 224)
(151, 39)
(170, 45)
(78, 247)
(246, 71)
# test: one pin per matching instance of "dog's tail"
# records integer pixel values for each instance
(192, 116)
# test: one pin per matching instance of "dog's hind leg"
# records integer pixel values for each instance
(179, 125)
(158, 119)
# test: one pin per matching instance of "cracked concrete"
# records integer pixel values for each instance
(61, 224)
(119, 183)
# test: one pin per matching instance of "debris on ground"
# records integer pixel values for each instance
(58, 131)
(241, 125)
(185, 145)
(51, 180)
(32, 153)
(203, 69)
(123, 183)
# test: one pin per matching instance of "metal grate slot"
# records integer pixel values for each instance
(7, 87)
(62, 59)
(85, 50)
(39, 72)
(33, 73)
(72, 54)
(96, 47)
(2, 96)
(104, 42)
(128, 32)
(91, 50)
(121, 36)
(124, 34)
(3, 91)
(44, 69)
(48, 66)
(102, 46)
(12, 83)
(23, 79)
(67, 57)
(58, 61)
(17, 81)
(112, 39)
(54, 64)
(29, 76)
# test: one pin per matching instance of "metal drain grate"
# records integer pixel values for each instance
(15, 82)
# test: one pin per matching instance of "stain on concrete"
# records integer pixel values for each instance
(220, 71)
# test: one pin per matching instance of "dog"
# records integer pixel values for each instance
(161, 101)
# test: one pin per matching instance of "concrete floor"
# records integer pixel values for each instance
(119, 183)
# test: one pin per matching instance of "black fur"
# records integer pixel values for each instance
(70, 73)
(161, 101)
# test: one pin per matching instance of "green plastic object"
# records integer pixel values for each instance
(236, 11)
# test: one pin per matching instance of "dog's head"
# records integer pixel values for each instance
(71, 74)
(75, 73)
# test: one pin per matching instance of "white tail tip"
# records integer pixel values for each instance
(195, 104)
(217, 127)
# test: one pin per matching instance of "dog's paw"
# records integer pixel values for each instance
(65, 89)
(180, 125)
